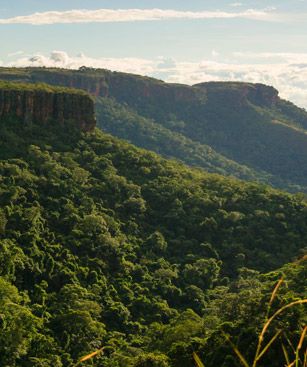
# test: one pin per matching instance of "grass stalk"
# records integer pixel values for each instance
(238, 353)
(265, 349)
(299, 347)
(197, 360)
(286, 354)
(88, 356)
(260, 352)
(268, 323)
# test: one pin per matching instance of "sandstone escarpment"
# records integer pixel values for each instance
(144, 92)
(125, 88)
(239, 93)
(134, 89)
(44, 104)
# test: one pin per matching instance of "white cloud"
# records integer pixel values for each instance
(273, 56)
(133, 15)
(285, 71)
(61, 59)
(236, 5)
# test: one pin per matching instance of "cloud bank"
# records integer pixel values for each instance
(132, 15)
(285, 71)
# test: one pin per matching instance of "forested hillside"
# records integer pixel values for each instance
(106, 245)
(123, 122)
(237, 129)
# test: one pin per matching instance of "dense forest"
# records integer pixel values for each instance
(105, 245)
(242, 130)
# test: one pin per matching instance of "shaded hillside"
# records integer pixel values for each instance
(123, 122)
(105, 244)
(238, 129)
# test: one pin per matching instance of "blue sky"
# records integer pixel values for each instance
(175, 40)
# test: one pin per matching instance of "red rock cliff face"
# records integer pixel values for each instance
(142, 92)
(136, 90)
(42, 107)
(94, 85)
(126, 88)
(239, 94)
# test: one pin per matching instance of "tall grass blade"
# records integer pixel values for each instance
(291, 344)
(260, 338)
(91, 355)
(279, 283)
(278, 312)
(269, 320)
(238, 353)
(299, 347)
(300, 344)
(284, 349)
(264, 350)
(197, 360)
(88, 356)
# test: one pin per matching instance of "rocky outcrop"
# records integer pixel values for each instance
(93, 84)
(239, 93)
(42, 105)
(263, 95)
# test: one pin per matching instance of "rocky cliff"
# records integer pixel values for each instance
(43, 104)
(239, 93)
(126, 88)
(144, 91)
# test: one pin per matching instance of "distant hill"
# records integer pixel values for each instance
(237, 129)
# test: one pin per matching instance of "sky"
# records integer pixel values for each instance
(263, 41)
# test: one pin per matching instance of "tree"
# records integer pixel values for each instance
(18, 326)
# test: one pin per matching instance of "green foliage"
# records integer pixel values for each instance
(37, 87)
(18, 325)
(124, 122)
(106, 245)
(151, 360)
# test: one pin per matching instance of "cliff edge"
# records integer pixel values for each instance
(43, 104)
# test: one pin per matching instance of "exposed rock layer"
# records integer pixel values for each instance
(143, 91)
(44, 106)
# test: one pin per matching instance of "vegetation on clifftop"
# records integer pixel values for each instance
(39, 87)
